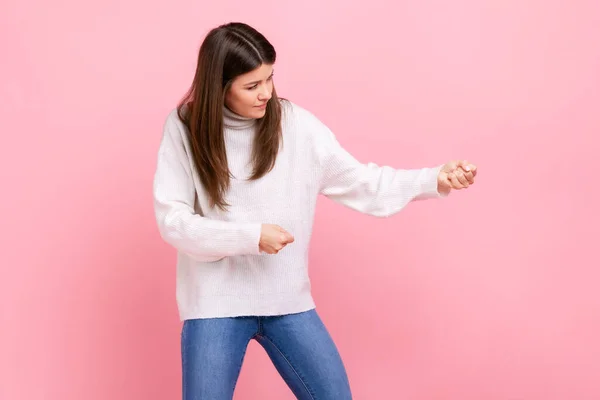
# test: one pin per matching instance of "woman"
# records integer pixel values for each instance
(238, 175)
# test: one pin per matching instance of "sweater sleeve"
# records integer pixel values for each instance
(199, 237)
(371, 189)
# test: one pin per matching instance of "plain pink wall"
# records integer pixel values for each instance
(490, 294)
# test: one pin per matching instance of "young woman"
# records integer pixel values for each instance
(238, 175)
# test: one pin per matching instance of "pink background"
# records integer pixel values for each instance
(490, 294)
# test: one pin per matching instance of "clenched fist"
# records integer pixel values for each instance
(273, 238)
(456, 175)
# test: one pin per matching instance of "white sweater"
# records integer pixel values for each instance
(220, 270)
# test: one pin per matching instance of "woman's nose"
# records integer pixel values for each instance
(265, 94)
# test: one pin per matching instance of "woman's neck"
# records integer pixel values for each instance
(232, 120)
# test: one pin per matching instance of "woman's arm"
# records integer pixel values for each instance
(174, 194)
(369, 188)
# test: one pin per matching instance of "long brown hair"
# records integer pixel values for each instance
(227, 51)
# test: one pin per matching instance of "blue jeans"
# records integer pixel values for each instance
(299, 345)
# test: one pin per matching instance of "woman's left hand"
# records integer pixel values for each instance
(456, 175)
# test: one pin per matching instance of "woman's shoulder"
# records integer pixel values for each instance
(174, 127)
(304, 122)
(306, 129)
(176, 114)
(175, 118)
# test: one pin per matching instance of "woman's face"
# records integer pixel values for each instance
(250, 92)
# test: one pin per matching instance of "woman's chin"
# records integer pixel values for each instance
(259, 112)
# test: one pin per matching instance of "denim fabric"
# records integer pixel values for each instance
(299, 345)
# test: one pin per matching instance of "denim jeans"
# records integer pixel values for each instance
(299, 345)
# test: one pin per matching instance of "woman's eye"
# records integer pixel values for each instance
(252, 87)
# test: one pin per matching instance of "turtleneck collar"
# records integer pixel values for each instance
(232, 120)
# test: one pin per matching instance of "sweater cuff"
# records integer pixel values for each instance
(250, 238)
(429, 188)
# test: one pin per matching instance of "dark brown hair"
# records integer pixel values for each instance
(227, 51)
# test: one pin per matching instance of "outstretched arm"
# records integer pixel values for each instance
(382, 190)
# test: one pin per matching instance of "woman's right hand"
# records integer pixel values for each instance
(273, 238)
